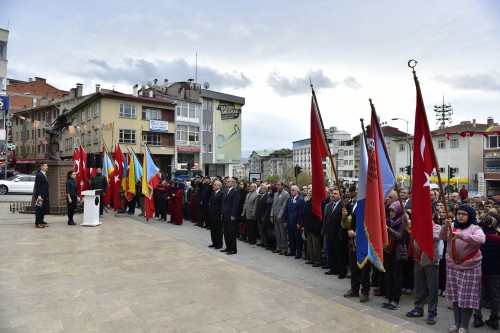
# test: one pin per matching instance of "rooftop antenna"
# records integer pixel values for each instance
(443, 114)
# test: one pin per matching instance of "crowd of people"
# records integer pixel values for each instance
(279, 218)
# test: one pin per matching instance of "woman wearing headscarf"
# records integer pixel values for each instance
(268, 226)
(490, 266)
(463, 265)
(394, 256)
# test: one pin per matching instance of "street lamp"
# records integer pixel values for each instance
(407, 141)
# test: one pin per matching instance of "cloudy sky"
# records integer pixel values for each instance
(265, 51)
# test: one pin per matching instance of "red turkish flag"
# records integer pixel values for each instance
(318, 152)
(76, 168)
(117, 176)
(83, 185)
(424, 162)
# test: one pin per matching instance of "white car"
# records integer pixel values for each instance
(17, 184)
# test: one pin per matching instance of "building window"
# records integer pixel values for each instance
(126, 136)
(127, 111)
(204, 148)
(441, 170)
(492, 165)
(341, 153)
(210, 127)
(350, 162)
(89, 113)
(96, 136)
(441, 144)
(205, 126)
(151, 114)
(401, 147)
(83, 116)
(209, 147)
(151, 138)
(402, 170)
(89, 138)
(188, 110)
(208, 104)
(493, 141)
(96, 111)
(351, 152)
(187, 134)
(83, 139)
(454, 143)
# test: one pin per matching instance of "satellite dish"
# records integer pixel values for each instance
(191, 85)
(150, 84)
(206, 85)
(143, 87)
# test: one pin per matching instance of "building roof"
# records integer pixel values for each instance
(392, 131)
(262, 153)
(464, 126)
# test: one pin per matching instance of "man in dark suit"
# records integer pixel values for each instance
(215, 215)
(336, 236)
(230, 205)
(41, 196)
(293, 218)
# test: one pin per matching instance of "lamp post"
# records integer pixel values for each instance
(409, 144)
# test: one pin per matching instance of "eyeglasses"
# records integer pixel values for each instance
(462, 214)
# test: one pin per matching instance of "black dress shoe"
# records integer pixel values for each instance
(329, 273)
(225, 250)
(298, 257)
(325, 267)
(231, 252)
(212, 245)
(342, 276)
(218, 247)
(71, 223)
(317, 264)
(289, 255)
(309, 262)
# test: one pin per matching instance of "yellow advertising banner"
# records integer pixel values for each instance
(227, 145)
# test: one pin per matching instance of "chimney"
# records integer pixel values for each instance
(97, 88)
(489, 121)
(473, 122)
(72, 93)
(40, 79)
(151, 93)
(30, 80)
(79, 90)
(136, 90)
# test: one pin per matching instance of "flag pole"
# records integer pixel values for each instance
(412, 64)
(396, 188)
(325, 142)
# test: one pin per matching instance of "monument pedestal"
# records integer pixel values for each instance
(91, 201)
(57, 174)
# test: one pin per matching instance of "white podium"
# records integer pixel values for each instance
(91, 208)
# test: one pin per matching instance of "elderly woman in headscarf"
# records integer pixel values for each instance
(394, 255)
(490, 267)
(463, 265)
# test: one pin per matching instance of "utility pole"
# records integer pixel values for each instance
(443, 114)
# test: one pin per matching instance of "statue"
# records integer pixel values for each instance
(62, 122)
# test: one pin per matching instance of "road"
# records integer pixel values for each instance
(15, 197)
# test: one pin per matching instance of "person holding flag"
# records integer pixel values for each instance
(150, 178)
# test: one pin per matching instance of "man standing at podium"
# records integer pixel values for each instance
(99, 182)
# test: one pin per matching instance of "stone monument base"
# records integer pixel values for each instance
(57, 174)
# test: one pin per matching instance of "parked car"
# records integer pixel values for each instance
(20, 183)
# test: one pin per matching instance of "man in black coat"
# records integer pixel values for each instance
(41, 196)
(230, 205)
(336, 236)
(215, 215)
(99, 182)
